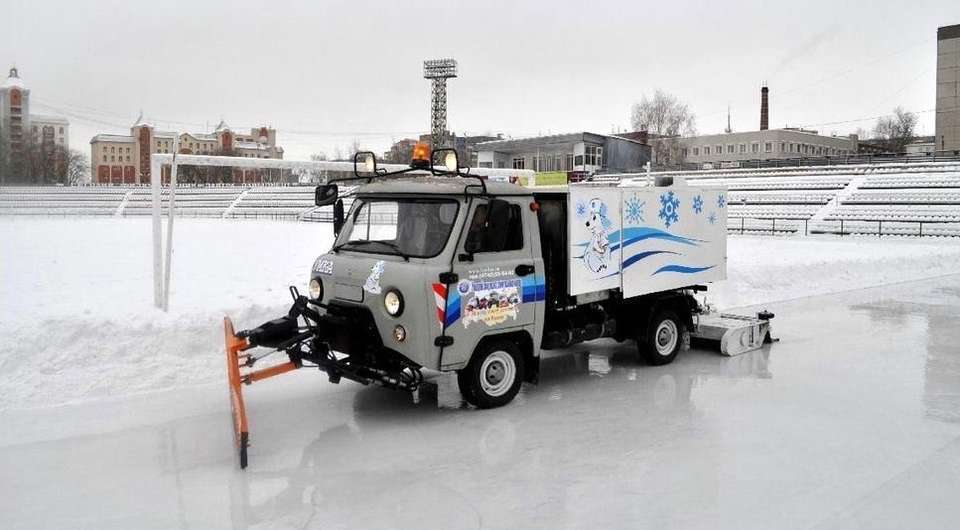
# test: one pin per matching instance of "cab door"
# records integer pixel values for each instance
(494, 265)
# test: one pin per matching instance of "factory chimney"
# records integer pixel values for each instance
(764, 108)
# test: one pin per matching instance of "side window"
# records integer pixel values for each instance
(497, 226)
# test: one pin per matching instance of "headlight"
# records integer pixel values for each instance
(316, 289)
(393, 302)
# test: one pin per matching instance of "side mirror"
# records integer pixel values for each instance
(445, 157)
(364, 162)
(337, 217)
(325, 194)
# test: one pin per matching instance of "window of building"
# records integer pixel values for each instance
(486, 164)
(113, 158)
(729, 149)
(519, 163)
(578, 160)
(706, 150)
(104, 158)
(594, 155)
(743, 148)
(684, 152)
(783, 147)
(696, 151)
(755, 147)
(768, 147)
(61, 130)
(111, 149)
(718, 149)
(496, 227)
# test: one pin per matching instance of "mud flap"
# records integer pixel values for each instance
(235, 345)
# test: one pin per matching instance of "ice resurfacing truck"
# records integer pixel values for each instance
(438, 269)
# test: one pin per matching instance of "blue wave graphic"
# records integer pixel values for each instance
(643, 255)
(683, 269)
(635, 234)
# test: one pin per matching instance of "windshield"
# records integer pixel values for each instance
(404, 227)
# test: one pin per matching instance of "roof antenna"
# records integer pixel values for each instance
(728, 130)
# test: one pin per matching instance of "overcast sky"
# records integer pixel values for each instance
(324, 73)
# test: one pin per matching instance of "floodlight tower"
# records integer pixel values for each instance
(439, 70)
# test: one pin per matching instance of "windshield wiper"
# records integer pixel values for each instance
(389, 244)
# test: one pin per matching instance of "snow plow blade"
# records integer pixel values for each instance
(235, 359)
(735, 334)
(235, 345)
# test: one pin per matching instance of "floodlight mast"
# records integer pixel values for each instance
(438, 71)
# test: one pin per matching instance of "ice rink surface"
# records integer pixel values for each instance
(851, 421)
(115, 415)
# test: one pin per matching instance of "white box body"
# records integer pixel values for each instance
(643, 239)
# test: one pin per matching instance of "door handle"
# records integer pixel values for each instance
(523, 270)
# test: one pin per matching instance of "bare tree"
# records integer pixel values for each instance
(76, 167)
(666, 119)
(894, 132)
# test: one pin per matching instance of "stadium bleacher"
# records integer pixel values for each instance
(917, 198)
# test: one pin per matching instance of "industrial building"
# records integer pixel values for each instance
(729, 149)
(578, 154)
(947, 126)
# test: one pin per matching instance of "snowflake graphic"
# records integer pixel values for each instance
(633, 210)
(669, 208)
(698, 204)
(721, 200)
(712, 217)
(581, 209)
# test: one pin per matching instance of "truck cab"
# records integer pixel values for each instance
(431, 269)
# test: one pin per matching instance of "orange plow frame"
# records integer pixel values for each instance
(235, 359)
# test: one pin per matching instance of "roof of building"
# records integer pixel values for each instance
(431, 185)
(521, 143)
(112, 138)
(46, 118)
(13, 80)
(948, 32)
(222, 126)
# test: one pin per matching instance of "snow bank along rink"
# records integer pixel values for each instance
(76, 298)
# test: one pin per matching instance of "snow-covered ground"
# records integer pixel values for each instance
(76, 294)
(114, 415)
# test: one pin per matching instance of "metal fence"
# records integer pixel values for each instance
(843, 227)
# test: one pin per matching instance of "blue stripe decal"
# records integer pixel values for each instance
(453, 307)
(635, 234)
(637, 257)
(533, 287)
(683, 269)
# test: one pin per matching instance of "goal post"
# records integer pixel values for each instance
(162, 267)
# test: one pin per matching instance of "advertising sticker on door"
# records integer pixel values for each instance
(491, 302)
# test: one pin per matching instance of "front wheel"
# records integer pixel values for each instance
(663, 339)
(493, 376)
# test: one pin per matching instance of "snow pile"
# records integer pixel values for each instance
(76, 297)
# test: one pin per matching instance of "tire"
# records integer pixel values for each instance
(493, 376)
(663, 339)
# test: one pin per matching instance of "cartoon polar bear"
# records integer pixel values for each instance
(597, 255)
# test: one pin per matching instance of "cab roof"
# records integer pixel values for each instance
(433, 185)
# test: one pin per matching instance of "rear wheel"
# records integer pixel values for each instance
(663, 338)
(493, 376)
